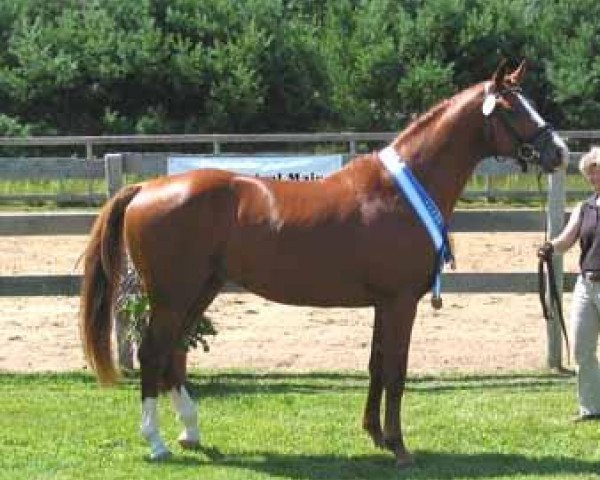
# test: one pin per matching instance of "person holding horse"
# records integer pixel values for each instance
(584, 225)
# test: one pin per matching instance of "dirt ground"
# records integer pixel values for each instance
(472, 332)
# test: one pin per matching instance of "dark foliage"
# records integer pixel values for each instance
(191, 66)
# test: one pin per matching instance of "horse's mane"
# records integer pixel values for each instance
(434, 113)
(425, 119)
(417, 126)
(413, 127)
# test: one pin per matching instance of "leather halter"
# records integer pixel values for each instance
(527, 150)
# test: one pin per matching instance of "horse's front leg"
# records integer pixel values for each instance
(372, 415)
(396, 327)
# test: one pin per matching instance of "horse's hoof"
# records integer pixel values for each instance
(160, 455)
(379, 443)
(404, 460)
(189, 444)
(375, 434)
(378, 440)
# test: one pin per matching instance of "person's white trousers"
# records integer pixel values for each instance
(585, 326)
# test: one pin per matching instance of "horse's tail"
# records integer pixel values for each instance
(102, 268)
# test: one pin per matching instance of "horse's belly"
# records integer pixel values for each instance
(327, 295)
(310, 285)
(300, 274)
(341, 266)
(320, 279)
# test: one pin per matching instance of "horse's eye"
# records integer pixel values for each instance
(507, 107)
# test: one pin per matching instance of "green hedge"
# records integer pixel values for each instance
(191, 66)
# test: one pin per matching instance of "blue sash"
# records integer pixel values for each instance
(425, 209)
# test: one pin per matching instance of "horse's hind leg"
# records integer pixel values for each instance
(372, 415)
(184, 406)
(154, 354)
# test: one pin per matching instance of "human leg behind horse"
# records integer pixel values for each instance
(585, 323)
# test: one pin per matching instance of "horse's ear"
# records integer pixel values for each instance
(500, 73)
(516, 76)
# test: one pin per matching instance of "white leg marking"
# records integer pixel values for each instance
(149, 430)
(187, 414)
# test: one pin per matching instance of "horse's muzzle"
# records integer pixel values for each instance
(552, 150)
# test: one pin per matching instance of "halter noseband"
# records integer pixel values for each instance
(528, 150)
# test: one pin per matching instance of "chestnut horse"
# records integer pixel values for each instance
(348, 240)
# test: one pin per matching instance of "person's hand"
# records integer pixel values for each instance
(545, 251)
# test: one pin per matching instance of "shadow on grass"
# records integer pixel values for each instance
(234, 383)
(428, 465)
(80, 377)
(227, 383)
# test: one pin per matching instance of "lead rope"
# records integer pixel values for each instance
(553, 290)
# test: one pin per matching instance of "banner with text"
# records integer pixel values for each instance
(279, 167)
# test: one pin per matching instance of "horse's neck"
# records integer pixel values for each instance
(444, 152)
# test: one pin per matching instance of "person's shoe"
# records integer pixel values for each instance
(586, 417)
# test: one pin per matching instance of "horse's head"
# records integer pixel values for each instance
(516, 129)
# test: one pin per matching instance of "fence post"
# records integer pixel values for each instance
(352, 148)
(555, 220)
(113, 173)
(489, 187)
(89, 155)
(113, 169)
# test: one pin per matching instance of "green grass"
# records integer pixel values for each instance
(503, 188)
(50, 186)
(64, 188)
(298, 427)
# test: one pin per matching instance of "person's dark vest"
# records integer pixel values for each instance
(589, 235)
